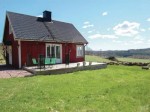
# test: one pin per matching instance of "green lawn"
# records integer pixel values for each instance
(115, 89)
(96, 59)
(134, 60)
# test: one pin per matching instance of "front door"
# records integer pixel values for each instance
(54, 51)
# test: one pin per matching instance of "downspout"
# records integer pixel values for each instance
(84, 50)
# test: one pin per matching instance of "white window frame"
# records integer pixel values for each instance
(79, 50)
(58, 60)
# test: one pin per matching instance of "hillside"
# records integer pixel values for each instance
(115, 89)
(132, 53)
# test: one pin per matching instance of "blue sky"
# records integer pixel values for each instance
(106, 24)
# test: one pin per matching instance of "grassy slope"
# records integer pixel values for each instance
(100, 59)
(134, 60)
(115, 89)
(95, 59)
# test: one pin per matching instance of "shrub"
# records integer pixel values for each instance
(112, 58)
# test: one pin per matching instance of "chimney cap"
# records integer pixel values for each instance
(47, 11)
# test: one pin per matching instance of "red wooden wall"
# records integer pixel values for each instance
(72, 48)
(10, 37)
(33, 49)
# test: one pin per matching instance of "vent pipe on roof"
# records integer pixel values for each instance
(47, 16)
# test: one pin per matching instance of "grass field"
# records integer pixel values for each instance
(134, 60)
(96, 59)
(115, 89)
(100, 59)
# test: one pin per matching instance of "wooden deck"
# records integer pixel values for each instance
(63, 68)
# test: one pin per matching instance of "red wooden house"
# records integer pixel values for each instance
(26, 37)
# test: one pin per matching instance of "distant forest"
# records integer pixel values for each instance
(132, 53)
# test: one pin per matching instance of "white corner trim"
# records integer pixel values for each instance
(19, 53)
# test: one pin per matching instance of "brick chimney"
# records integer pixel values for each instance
(47, 16)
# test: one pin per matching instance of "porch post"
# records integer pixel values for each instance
(84, 51)
(19, 53)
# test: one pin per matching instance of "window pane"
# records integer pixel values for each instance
(57, 51)
(48, 51)
(53, 51)
(79, 51)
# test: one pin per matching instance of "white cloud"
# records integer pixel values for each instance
(148, 19)
(133, 42)
(104, 13)
(137, 42)
(108, 29)
(138, 38)
(143, 30)
(86, 22)
(95, 36)
(88, 26)
(91, 31)
(127, 29)
(148, 28)
(40, 16)
(117, 41)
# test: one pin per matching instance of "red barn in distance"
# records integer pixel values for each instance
(26, 37)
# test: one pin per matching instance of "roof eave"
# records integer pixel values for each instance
(4, 29)
(21, 39)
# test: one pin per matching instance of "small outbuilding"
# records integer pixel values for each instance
(26, 37)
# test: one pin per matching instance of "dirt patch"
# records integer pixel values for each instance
(10, 72)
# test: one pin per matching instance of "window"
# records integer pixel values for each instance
(53, 50)
(79, 51)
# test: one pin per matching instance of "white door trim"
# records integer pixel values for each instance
(49, 44)
(19, 53)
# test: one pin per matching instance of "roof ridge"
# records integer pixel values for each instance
(62, 22)
(7, 12)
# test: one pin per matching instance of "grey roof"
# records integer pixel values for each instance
(27, 27)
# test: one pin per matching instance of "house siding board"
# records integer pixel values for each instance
(6, 31)
(31, 49)
(72, 48)
(73, 57)
(15, 61)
